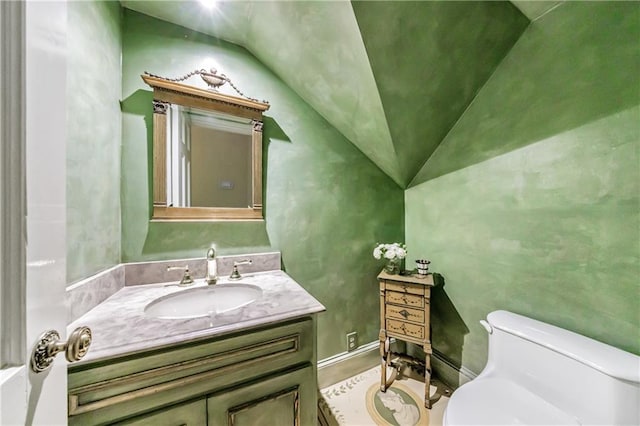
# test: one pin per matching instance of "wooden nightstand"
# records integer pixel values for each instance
(404, 314)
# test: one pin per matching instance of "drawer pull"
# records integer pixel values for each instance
(404, 313)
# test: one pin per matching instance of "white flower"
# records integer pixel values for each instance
(377, 252)
(402, 253)
(390, 251)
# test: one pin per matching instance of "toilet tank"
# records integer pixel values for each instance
(592, 381)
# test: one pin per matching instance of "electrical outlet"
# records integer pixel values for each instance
(352, 341)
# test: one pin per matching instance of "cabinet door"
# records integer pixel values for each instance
(103, 392)
(187, 414)
(283, 400)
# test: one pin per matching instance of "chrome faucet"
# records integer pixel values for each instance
(212, 267)
(235, 275)
(186, 277)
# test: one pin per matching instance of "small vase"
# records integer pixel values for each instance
(393, 266)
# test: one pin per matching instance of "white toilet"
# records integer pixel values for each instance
(539, 374)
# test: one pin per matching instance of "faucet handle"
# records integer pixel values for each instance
(178, 268)
(235, 275)
(186, 277)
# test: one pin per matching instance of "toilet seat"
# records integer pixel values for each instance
(496, 401)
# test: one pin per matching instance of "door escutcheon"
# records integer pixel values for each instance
(49, 344)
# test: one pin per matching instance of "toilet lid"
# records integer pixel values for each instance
(493, 401)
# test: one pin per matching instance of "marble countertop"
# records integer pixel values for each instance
(119, 325)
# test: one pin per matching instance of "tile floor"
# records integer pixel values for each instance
(357, 401)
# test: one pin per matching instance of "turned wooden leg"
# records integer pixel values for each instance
(384, 356)
(385, 362)
(427, 380)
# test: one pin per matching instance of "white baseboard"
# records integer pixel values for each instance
(448, 372)
(347, 364)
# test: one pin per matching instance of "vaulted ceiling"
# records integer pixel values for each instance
(392, 77)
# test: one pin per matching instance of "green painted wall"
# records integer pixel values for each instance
(534, 9)
(338, 83)
(326, 204)
(94, 135)
(429, 60)
(393, 77)
(531, 203)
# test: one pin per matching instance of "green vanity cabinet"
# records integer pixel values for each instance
(263, 375)
(188, 414)
(271, 401)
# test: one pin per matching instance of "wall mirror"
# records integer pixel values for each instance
(207, 151)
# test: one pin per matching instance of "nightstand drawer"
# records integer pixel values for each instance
(411, 300)
(407, 329)
(405, 288)
(404, 313)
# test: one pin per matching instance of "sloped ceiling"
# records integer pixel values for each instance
(534, 9)
(392, 77)
(429, 60)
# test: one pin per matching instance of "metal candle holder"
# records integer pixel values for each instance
(423, 267)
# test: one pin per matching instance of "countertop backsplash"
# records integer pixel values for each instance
(86, 294)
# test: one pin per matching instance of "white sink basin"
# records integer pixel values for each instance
(203, 301)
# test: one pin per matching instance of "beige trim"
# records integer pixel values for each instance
(196, 213)
(256, 159)
(191, 92)
(159, 159)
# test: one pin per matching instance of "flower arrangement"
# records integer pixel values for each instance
(394, 253)
(390, 251)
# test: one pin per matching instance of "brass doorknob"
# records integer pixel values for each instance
(49, 344)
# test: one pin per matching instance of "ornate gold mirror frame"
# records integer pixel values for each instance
(166, 92)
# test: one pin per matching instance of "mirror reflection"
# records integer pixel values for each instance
(207, 151)
(209, 159)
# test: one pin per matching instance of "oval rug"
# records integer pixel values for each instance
(398, 406)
